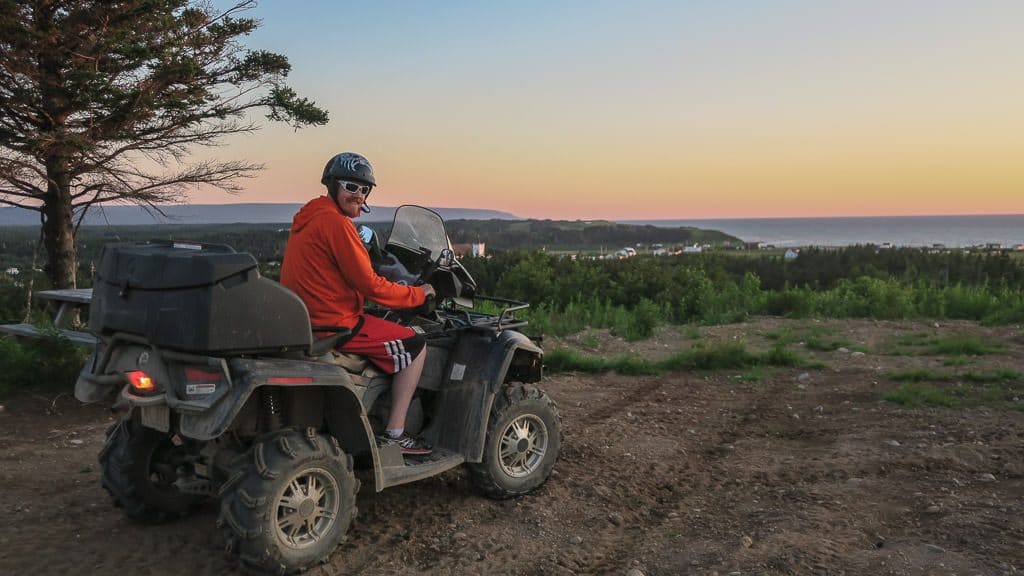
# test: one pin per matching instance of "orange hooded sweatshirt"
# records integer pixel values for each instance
(327, 265)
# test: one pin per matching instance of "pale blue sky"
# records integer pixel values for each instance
(706, 109)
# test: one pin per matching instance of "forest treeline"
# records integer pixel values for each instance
(267, 241)
(636, 294)
(632, 294)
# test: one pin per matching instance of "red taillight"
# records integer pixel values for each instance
(141, 381)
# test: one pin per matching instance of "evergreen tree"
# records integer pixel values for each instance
(103, 101)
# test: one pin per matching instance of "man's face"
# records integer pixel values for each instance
(351, 196)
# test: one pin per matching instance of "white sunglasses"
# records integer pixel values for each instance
(354, 188)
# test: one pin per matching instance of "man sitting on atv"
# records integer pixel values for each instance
(327, 265)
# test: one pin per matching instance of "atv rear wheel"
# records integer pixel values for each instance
(524, 438)
(140, 466)
(290, 503)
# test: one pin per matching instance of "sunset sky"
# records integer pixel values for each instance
(654, 109)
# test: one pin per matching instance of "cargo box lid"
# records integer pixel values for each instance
(166, 265)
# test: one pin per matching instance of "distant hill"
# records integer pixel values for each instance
(578, 234)
(227, 214)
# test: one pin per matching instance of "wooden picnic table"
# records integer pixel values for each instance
(68, 301)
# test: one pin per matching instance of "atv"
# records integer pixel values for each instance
(223, 389)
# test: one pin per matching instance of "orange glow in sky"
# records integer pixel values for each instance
(655, 110)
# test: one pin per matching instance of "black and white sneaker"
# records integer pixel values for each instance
(407, 444)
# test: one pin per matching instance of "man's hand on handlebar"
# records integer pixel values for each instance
(428, 290)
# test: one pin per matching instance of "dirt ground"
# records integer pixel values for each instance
(806, 471)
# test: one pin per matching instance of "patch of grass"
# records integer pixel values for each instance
(727, 356)
(814, 338)
(780, 356)
(962, 345)
(814, 342)
(954, 345)
(590, 340)
(999, 375)
(915, 339)
(783, 337)
(997, 387)
(693, 332)
(755, 374)
(715, 357)
(919, 375)
(903, 352)
(913, 394)
(562, 360)
(959, 360)
(991, 391)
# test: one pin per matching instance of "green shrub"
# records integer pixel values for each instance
(639, 323)
(47, 363)
(791, 302)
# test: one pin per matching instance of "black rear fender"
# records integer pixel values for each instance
(304, 390)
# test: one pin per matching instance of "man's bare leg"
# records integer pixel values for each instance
(402, 388)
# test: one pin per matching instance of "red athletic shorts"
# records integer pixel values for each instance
(390, 346)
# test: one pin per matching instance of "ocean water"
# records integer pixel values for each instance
(951, 231)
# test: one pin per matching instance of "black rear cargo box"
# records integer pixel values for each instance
(202, 298)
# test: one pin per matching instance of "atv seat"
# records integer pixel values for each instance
(322, 346)
(353, 363)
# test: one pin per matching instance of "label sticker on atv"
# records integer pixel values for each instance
(458, 371)
(197, 389)
(417, 330)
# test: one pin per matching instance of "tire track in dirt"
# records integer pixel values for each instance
(705, 474)
(640, 393)
(672, 479)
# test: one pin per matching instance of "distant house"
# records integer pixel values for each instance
(756, 246)
(695, 249)
(993, 246)
(1019, 247)
(660, 252)
(477, 249)
(791, 254)
(12, 271)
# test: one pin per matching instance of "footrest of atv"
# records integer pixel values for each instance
(419, 467)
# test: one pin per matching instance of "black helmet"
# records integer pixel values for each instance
(347, 166)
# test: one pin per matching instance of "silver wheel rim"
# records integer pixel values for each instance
(522, 447)
(307, 508)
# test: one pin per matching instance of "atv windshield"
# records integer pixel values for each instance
(416, 227)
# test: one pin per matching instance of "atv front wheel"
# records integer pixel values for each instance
(140, 466)
(524, 438)
(290, 503)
